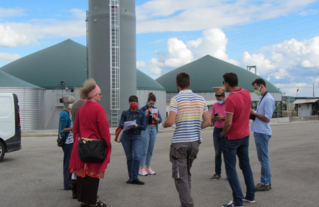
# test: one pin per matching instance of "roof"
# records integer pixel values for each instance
(65, 61)
(144, 82)
(7, 80)
(207, 72)
(305, 101)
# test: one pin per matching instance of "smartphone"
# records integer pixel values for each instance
(216, 114)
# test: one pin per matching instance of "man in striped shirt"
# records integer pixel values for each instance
(190, 113)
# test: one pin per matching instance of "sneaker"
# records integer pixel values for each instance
(128, 181)
(248, 201)
(150, 171)
(230, 204)
(269, 186)
(137, 181)
(215, 177)
(142, 172)
(261, 187)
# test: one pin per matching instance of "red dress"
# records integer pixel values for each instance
(93, 121)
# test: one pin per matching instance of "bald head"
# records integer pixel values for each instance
(220, 92)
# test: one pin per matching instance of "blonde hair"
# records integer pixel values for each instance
(87, 87)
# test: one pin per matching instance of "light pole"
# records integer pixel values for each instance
(252, 66)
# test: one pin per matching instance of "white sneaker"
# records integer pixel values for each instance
(142, 172)
(150, 171)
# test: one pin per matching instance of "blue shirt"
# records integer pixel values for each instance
(266, 107)
(66, 122)
(189, 108)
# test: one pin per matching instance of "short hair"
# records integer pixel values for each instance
(67, 100)
(259, 81)
(133, 98)
(88, 86)
(222, 93)
(183, 80)
(151, 97)
(231, 79)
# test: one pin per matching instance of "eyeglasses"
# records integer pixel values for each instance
(100, 94)
(223, 82)
(218, 96)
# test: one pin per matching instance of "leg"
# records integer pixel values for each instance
(152, 139)
(218, 151)
(145, 143)
(127, 146)
(261, 141)
(87, 188)
(180, 172)
(243, 156)
(136, 149)
(67, 149)
(230, 152)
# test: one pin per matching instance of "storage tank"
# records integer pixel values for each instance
(112, 50)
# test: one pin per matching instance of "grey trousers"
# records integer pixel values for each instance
(182, 156)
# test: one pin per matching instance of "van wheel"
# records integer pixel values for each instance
(2, 151)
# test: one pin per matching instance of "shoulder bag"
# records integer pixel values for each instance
(91, 150)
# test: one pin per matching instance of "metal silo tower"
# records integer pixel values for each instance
(112, 53)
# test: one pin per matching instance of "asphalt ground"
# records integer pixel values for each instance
(33, 175)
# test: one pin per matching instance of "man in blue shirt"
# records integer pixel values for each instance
(262, 131)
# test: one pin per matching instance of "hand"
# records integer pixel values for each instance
(223, 135)
(252, 112)
(136, 125)
(146, 112)
(150, 109)
(219, 88)
(219, 117)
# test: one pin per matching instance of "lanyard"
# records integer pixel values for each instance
(261, 100)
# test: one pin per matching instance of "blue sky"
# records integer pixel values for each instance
(281, 37)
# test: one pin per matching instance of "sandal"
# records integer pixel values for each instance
(100, 203)
(84, 205)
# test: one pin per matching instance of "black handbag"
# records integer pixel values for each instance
(91, 150)
(60, 139)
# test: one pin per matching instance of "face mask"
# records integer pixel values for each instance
(258, 92)
(150, 106)
(70, 105)
(220, 102)
(133, 107)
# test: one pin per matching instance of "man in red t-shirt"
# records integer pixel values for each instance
(236, 130)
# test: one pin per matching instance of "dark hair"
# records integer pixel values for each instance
(133, 98)
(151, 97)
(259, 81)
(183, 80)
(231, 79)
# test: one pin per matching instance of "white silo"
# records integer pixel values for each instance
(112, 53)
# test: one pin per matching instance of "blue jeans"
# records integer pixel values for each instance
(217, 136)
(67, 149)
(239, 147)
(132, 145)
(261, 141)
(148, 140)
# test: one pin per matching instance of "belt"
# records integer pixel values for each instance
(219, 129)
(152, 125)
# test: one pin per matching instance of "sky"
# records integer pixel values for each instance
(280, 37)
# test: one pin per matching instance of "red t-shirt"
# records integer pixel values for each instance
(238, 103)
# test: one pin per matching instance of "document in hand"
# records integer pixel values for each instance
(154, 113)
(129, 124)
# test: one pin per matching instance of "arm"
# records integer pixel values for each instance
(122, 120)
(64, 119)
(142, 126)
(228, 123)
(259, 116)
(206, 120)
(159, 118)
(170, 120)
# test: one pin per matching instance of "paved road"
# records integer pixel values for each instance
(33, 175)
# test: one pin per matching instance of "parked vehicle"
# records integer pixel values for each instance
(10, 129)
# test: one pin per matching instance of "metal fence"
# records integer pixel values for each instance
(305, 118)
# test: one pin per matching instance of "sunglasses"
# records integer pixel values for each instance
(218, 96)
(223, 82)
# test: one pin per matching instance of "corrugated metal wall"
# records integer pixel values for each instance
(160, 100)
(31, 103)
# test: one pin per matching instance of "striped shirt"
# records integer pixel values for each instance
(189, 108)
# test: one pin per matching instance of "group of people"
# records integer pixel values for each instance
(190, 113)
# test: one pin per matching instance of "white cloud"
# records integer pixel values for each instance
(282, 73)
(308, 12)
(11, 12)
(190, 15)
(5, 57)
(140, 64)
(264, 66)
(19, 34)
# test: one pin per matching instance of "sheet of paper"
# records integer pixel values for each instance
(129, 124)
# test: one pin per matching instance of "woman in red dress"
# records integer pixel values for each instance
(92, 123)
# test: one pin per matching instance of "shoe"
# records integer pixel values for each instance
(142, 172)
(137, 181)
(261, 187)
(215, 177)
(269, 186)
(230, 204)
(248, 201)
(150, 171)
(129, 181)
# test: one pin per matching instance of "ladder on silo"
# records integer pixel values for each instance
(114, 61)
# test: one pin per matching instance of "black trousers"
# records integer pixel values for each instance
(87, 189)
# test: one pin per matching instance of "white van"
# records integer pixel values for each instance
(10, 129)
